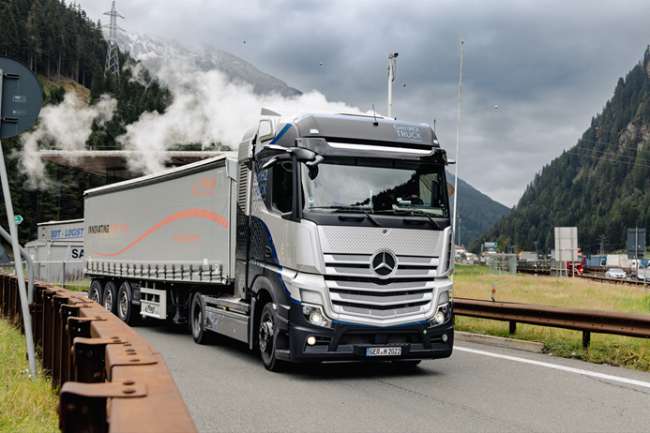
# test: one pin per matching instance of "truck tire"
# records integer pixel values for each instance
(109, 298)
(124, 305)
(197, 321)
(95, 291)
(266, 331)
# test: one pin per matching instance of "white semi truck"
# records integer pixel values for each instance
(325, 238)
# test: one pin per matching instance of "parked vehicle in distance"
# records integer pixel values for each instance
(325, 238)
(617, 273)
(643, 272)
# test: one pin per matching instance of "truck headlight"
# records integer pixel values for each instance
(315, 316)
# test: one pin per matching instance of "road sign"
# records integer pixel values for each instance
(19, 219)
(21, 98)
(20, 102)
(636, 242)
(566, 244)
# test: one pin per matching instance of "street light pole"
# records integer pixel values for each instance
(458, 129)
(392, 71)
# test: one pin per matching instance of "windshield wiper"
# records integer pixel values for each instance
(352, 209)
(342, 208)
(413, 212)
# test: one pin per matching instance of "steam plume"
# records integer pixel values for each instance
(66, 126)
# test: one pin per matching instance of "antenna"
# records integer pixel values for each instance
(392, 73)
(112, 51)
(458, 127)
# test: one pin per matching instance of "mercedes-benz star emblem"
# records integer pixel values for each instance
(383, 263)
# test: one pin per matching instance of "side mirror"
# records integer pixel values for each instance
(276, 159)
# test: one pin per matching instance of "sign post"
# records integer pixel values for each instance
(20, 103)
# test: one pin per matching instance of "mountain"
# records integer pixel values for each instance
(66, 49)
(477, 212)
(601, 185)
(151, 51)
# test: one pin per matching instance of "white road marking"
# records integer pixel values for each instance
(579, 371)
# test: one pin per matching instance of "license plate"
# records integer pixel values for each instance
(383, 351)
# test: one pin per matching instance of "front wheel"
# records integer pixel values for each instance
(266, 333)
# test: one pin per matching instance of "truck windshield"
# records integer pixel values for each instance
(390, 188)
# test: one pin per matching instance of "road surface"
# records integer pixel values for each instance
(480, 388)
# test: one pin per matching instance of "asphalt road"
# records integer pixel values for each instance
(480, 388)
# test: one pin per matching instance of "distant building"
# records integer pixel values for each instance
(58, 251)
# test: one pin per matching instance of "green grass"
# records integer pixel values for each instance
(76, 286)
(26, 406)
(477, 282)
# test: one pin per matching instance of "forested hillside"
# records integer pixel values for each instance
(601, 185)
(60, 43)
(477, 212)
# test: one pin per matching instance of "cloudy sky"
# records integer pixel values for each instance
(535, 71)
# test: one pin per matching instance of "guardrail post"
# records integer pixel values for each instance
(89, 360)
(3, 297)
(67, 311)
(48, 324)
(512, 327)
(57, 338)
(82, 406)
(586, 339)
(36, 310)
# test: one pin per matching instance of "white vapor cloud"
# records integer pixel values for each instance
(65, 126)
(208, 108)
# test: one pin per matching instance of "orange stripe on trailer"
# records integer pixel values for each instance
(181, 215)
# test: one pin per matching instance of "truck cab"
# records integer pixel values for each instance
(344, 239)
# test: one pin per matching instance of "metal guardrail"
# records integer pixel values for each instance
(603, 279)
(110, 378)
(587, 321)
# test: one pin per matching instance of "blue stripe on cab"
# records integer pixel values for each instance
(281, 133)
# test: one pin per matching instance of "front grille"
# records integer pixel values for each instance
(355, 289)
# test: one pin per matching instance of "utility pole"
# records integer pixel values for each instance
(458, 129)
(392, 73)
(602, 244)
(112, 51)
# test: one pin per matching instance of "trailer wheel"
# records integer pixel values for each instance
(197, 321)
(95, 291)
(125, 308)
(109, 297)
(266, 333)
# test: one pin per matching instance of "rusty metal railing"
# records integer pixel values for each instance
(109, 378)
(587, 321)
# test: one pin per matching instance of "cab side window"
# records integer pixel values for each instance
(281, 189)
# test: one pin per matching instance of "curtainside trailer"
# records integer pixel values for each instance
(324, 238)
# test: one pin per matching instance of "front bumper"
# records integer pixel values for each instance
(344, 342)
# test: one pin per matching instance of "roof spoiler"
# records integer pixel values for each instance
(268, 112)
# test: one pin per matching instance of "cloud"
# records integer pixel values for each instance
(557, 61)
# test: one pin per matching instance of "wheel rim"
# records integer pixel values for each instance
(197, 319)
(94, 295)
(108, 300)
(123, 304)
(266, 335)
